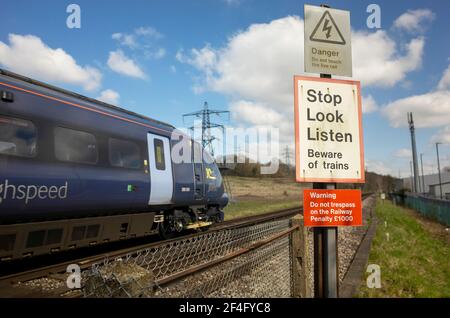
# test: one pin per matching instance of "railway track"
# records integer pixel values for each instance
(13, 285)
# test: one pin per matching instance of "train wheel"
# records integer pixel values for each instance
(165, 232)
(170, 228)
(216, 215)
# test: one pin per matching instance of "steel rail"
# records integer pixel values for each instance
(204, 266)
(86, 262)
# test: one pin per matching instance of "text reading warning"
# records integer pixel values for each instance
(332, 207)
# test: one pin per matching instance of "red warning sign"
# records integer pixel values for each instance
(332, 207)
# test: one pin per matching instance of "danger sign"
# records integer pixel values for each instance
(327, 41)
(332, 207)
(328, 130)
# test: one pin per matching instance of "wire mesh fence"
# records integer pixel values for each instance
(251, 261)
(430, 207)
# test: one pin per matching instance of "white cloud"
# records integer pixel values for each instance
(379, 167)
(156, 54)
(246, 70)
(142, 40)
(245, 111)
(414, 20)
(403, 153)
(377, 60)
(148, 31)
(442, 136)
(429, 110)
(139, 38)
(232, 2)
(125, 39)
(173, 69)
(369, 104)
(256, 65)
(204, 59)
(109, 96)
(28, 55)
(444, 83)
(120, 63)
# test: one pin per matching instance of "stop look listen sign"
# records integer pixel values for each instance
(328, 130)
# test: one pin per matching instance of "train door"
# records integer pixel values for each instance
(199, 181)
(160, 163)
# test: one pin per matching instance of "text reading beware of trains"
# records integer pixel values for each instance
(336, 116)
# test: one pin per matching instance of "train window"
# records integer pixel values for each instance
(78, 233)
(159, 154)
(17, 137)
(75, 146)
(7, 242)
(36, 238)
(54, 236)
(92, 231)
(124, 154)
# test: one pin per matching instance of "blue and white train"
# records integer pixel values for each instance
(77, 172)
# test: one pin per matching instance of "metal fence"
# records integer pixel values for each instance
(262, 260)
(432, 208)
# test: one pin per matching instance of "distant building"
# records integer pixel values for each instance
(435, 190)
(429, 180)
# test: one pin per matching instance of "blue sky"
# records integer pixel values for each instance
(165, 58)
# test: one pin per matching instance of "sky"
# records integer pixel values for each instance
(166, 58)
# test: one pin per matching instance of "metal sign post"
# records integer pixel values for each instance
(328, 125)
(325, 252)
(325, 256)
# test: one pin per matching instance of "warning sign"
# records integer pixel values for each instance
(332, 207)
(326, 31)
(328, 130)
(327, 41)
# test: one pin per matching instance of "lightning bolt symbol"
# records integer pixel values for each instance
(327, 28)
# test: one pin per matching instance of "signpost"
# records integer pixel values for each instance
(328, 138)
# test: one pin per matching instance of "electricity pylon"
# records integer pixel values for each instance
(205, 115)
(287, 155)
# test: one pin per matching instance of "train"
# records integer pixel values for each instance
(77, 172)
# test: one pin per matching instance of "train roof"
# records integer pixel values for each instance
(79, 96)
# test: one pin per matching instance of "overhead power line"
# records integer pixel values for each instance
(205, 115)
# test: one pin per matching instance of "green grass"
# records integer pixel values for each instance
(414, 262)
(246, 208)
(260, 195)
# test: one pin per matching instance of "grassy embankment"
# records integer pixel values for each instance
(259, 195)
(413, 254)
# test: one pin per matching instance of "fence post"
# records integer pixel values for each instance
(301, 270)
